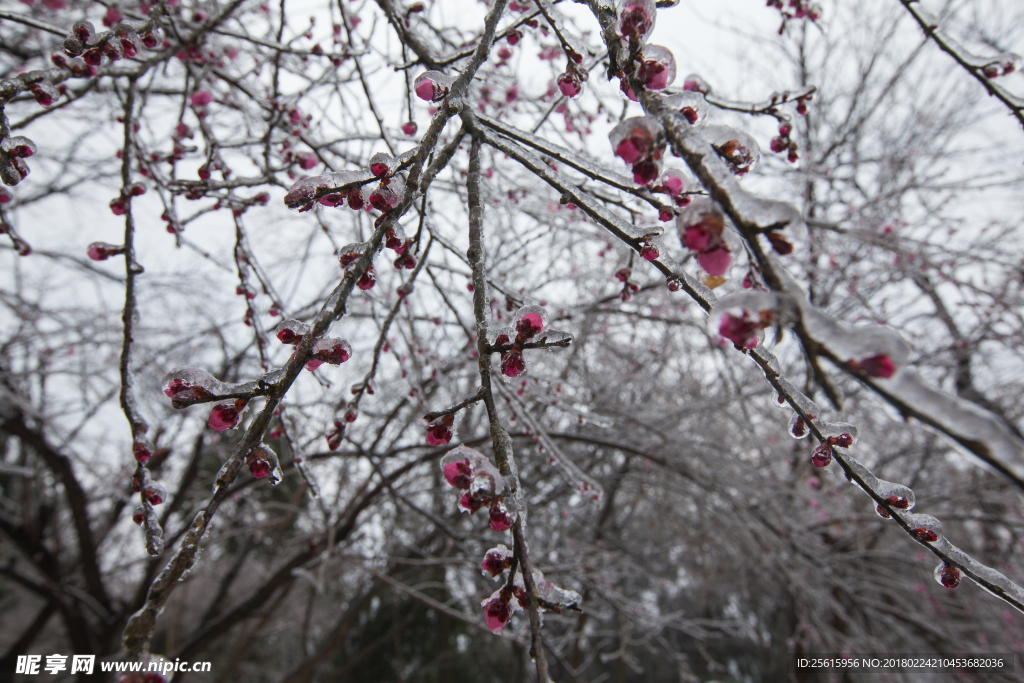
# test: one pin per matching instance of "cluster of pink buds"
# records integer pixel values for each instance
(639, 142)
(262, 462)
(432, 86)
(119, 205)
(439, 430)
(13, 168)
(470, 471)
(529, 322)
(120, 43)
(629, 288)
(225, 416)
(701, 228)
(783, 143)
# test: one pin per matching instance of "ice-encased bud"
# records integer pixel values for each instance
(225, 416)
(498, 609)
(530, 321)
(841, 434)
(947, 575)
(387, 194)
(304, 190)
(382, 164)
(462, 457)
(155, 493)
(263, 462)
(439, 432)
(636, 20)
(694, 83)
(496, 561)
(19, 146)
(332, 350)
(673, 182)
(500, 518)
(189, 385)
(139, 515)
(691, 105)
(657, 69)
(569, 83)
(292, 331)
(822, 455)
(740, 317)
(924, 527)
(798, 428)
(432, 86)
(350, 253)
(636, 139)
(701, 228)
(739, 151)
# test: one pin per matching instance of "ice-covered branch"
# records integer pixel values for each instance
(984, 69)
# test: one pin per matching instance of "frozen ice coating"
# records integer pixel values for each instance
(739, 150)
(963, 421)
(742, 317)
(558, 337)
(263, 462)
(432, 86)
(636, 139)
(332, 350)
(192, 385)
(478, 464)
(657, 70)
(798, 429)
(291, 331)
(691, 105)
(304, 190)
(636, 20)
(557, 598)
(350, 253)
(897, 495)
(382, 164)
(839, 434)
(496, 561)
(923, 527)
(883, 356)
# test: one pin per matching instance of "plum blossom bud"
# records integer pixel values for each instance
(636, 20)
(155, 493)
(432, 86)
(657, 68)
(225, 416)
